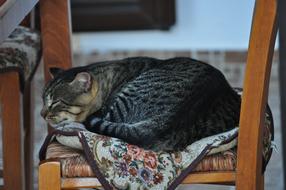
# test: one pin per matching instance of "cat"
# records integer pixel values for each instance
(161, 105)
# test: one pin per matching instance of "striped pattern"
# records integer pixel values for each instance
(155, 104)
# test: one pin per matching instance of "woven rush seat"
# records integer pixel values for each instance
(21, 51)
(74, 163)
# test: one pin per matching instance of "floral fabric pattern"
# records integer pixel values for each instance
(127, 166)
(21, 51)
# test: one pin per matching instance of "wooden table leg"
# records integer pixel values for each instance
(12, 131)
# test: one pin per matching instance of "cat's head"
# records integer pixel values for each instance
(68, 96)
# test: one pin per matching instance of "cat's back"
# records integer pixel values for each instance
(177, 75)
(182, 65)
(166, 86)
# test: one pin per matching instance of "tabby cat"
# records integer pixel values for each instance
(155, 104)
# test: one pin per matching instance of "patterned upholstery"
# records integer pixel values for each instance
(74, 163)
(21, 52)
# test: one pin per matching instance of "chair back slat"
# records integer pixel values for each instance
(255, 94)
(56, 31)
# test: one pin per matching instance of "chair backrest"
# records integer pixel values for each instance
(56, 34)
(255, 93)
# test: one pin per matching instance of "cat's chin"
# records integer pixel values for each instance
(54, 124)
(68, 125)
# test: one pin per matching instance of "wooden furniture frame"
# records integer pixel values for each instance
(17, 140)
(17, 165)
(248, 175)
(13, 154)
(282, 76)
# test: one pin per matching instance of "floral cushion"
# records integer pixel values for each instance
(21, 51)
(118, 165)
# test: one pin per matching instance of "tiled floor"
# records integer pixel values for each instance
(233, 72)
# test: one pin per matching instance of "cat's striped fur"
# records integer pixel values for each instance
(156, 104)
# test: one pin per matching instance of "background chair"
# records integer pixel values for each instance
(248, 175)
(19, 57)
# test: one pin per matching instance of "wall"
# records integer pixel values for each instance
(201, 24)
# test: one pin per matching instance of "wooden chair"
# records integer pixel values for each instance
(248, 175)
(12, 136)
(15, 87)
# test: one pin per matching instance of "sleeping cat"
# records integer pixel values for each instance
(155, 104)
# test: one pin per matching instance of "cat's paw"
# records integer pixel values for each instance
(95, 122)
(69, 126)
(70, 141)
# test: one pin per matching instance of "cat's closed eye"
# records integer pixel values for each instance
(69, 99)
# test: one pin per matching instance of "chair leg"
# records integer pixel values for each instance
(28, 136)
(262, 183)
(12, 131)
(50, 176)
(259, 184)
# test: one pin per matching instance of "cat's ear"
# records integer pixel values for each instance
(54, 71)
(83, 80)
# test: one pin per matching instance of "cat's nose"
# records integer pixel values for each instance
(44, 112)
